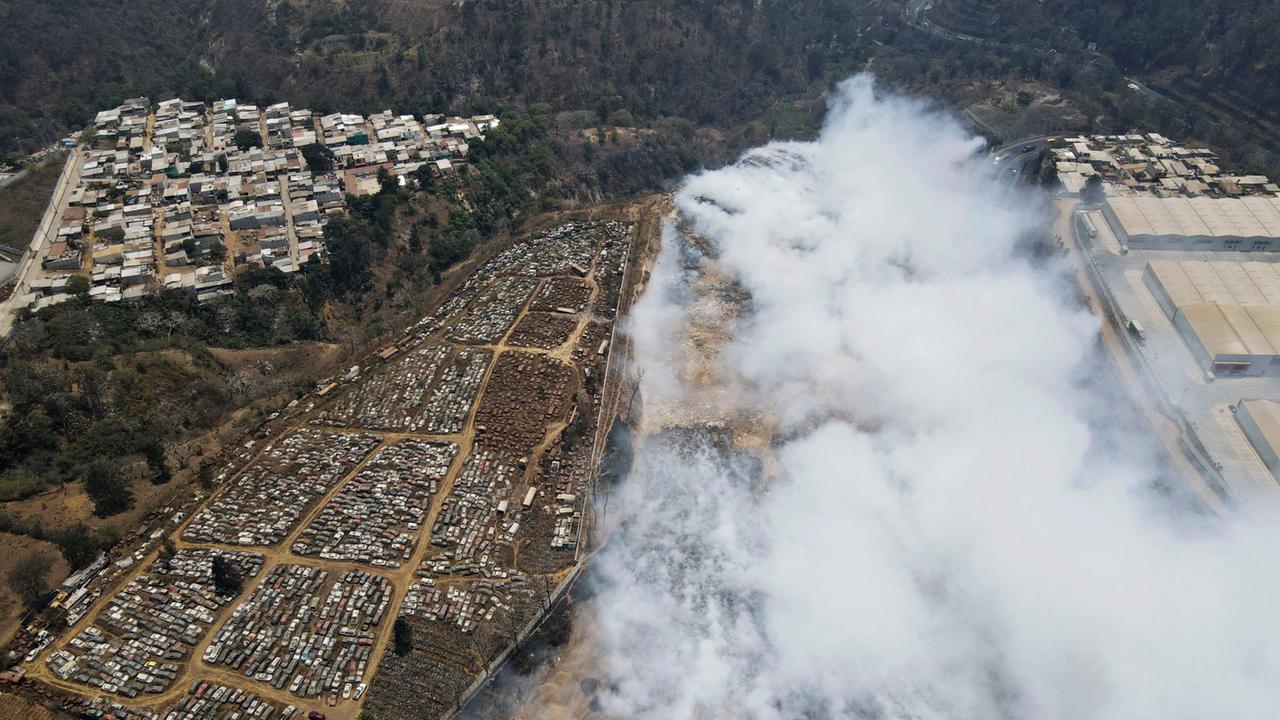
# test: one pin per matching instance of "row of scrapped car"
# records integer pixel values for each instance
(464, 605)
(213, 701)
(470, 525)
(204, 700)
(527, 393)
(391, 399)
(377, 516)
(301, 630)
(270, 496)
(489, 301)
(427, 391)
(138, 642)
(493, 311)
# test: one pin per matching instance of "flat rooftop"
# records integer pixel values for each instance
(1189, 282)
(1248, 217)
(1232, 307)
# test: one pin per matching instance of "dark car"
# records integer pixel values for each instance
(315, 715)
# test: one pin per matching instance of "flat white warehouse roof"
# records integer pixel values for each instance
(1232, 307)
(1189, 282)
(1265, 415)
(1250, 217)
(1235, 329)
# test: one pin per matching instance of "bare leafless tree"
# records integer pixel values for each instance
(546, 592)
(635, 391)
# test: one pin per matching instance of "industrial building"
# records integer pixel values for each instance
(1260, 420)
(1199, 223)
(1227, 312)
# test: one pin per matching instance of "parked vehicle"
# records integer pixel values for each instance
(1136, 330)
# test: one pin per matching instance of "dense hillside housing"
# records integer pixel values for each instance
(179, 195)
(1160, 195)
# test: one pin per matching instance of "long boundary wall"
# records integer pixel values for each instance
(612, 374)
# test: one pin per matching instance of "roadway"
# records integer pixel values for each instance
(1009, 162)
(1013, 159)
(5, 181)
(917, 8)
(1133, 380)
(914, 15)
(1147, 92)
(40, 241)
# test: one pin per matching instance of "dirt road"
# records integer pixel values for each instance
(401, 578)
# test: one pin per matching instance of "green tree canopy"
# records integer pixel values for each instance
(107, 489)
(245, 139)
(78, 545)
(402, 637)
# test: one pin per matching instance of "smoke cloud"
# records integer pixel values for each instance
(909, 497)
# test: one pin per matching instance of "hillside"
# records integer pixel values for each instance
(719, 62)
(1207, 65)
(1217, 42)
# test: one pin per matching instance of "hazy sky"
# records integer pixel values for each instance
(955, 529)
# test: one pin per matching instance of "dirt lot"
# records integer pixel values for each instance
(68, 505)
(16, 547)
(15, 707)
(1000, 104)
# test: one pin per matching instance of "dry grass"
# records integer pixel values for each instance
(67, 505)
(269, 371)
(16, 547)
(295, 360)
(23, 201)
(16, 707)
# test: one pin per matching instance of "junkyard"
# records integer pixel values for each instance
(441, 486)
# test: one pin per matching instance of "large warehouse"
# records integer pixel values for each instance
(1200, 223)
(1260, 420)
(1228, 312)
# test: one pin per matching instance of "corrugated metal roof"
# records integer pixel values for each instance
(1235, 329)
(1189, 282)
(1266, 415)
(1251, 217)
(1232, 307)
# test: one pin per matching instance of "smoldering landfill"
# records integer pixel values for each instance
(906, 495)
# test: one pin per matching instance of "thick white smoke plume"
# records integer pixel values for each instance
(945, 523)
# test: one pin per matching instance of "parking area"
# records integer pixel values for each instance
(377, 515)
(212, 701)
(463, 606)
(566, 295)
(526, 394)
(470, 529)
(393, 398)
(305, 630)
(543, 330)
(493, 311)
(144, 635)
(269, 497)
(441, 481)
